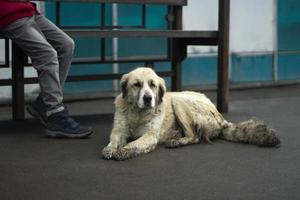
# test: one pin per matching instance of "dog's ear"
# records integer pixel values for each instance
(161, 90)
(123, 84)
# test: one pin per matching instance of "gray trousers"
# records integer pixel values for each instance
(50, 50)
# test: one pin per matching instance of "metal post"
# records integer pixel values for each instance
(115, 45)
(103, 26)
(275, 42)
(223, 56)
(176, 57)
(18, 103)
(57, 14)
(144, 14)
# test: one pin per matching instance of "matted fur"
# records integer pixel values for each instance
(171, 118)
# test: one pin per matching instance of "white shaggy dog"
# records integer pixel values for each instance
(147, 115)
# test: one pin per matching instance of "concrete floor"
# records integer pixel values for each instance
(34, 167)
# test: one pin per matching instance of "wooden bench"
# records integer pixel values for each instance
(179, 40)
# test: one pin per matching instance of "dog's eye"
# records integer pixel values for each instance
(152, 84)
(137, 84)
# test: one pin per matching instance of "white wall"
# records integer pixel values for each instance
(251, 27)
(251, 23)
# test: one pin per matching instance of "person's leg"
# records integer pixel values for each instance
(63, 44)
(27, 35)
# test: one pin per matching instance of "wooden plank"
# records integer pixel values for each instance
(200, 41)
(78, 78)
(93, 77)
(223, 56)
(5, 82)
(2, 65)
(109, 59)
(98, 77)
(162, 2)
(142, 33)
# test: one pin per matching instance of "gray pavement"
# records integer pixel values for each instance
(34, 167)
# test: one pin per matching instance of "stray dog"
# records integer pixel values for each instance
(146, 115)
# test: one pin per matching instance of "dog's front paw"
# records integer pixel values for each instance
(108, 152)
(172, 143)
(124, 154)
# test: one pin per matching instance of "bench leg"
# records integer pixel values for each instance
(18, 104)
(223, 56)
(176, 52)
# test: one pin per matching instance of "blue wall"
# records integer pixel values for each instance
(251, 68)
(288, 25)
(289, 39)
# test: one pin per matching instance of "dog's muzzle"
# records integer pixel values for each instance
(147, 100)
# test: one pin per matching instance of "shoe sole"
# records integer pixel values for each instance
(59, 134)
(36, 115)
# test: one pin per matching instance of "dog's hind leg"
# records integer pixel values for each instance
(184, 119)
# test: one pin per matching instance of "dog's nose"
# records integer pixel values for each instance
(147, 99)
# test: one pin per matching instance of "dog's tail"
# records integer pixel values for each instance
(252, 131)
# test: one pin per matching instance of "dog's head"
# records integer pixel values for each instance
(143, 87)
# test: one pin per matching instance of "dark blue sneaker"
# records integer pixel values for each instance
(37, 110)
(61, 125)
